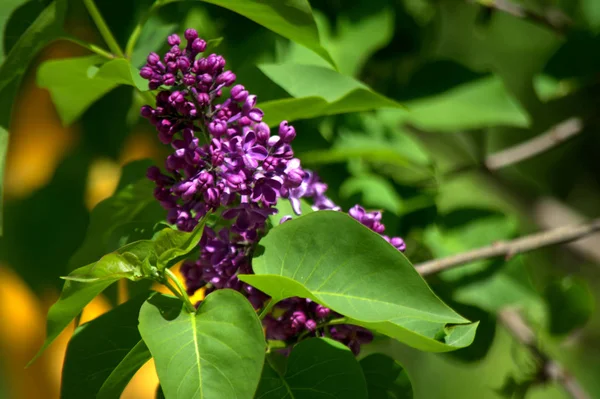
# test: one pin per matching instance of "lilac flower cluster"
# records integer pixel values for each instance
(226, 161)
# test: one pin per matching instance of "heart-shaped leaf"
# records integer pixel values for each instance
(317, 368)
(217, 352)
(101, 346)
(332, 259)
(386, 379)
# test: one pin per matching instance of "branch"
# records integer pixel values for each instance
(535, 146)
(552, 370)
(508, 249)
(552, 18)
(550, 213)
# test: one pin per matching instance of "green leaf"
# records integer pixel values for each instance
(122, 72)
(217, 352)
(359, 275)
(291, 19)
(317, 368)
(590, 10)
(318, 91)
(358, 38)
(360, 31)
(47, 27)
(483, 103)
(140, 259)
(571, 304)
(76, 83)
(129, 215)
(120, 376)
(375, 191)
(83, 285)
(386, 379)
(284, 208)
(8, 7)
(72, 85)
(101, 347)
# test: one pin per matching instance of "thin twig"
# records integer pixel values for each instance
(551, 17)
(510, 248)
(552, 370)
(535, 146)
(549, 213)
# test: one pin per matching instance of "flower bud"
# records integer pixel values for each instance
(239, 93)
(174, 40)
(153, 59)
(146, 72)
(190, 34)
(198, 45)
(286, 132)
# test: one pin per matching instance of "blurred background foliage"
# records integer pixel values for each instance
(425, 91)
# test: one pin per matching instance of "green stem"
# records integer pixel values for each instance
(137, 31)
(92, 47)
(182, 293)
(341, 320)
(267, 309)
(108, 37)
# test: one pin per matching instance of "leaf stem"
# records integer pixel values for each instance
(182, 292)
(92, 47)
(137, 31)
(107, 35)
(267, 309)
(341, 320)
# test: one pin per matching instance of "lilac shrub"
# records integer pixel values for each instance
(227, 162)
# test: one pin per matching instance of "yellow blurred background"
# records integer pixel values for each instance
(38, 143)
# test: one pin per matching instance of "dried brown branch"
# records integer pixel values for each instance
(508, 249)
(530, 148)
(551, 369)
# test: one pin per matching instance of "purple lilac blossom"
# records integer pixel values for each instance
(226, 160)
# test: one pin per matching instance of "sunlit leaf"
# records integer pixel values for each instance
(216, 352)
(135, 261)
(318, 91)
(359, 275)
(76, 83)
(375, 191)
(482, 103)
(309, 373)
